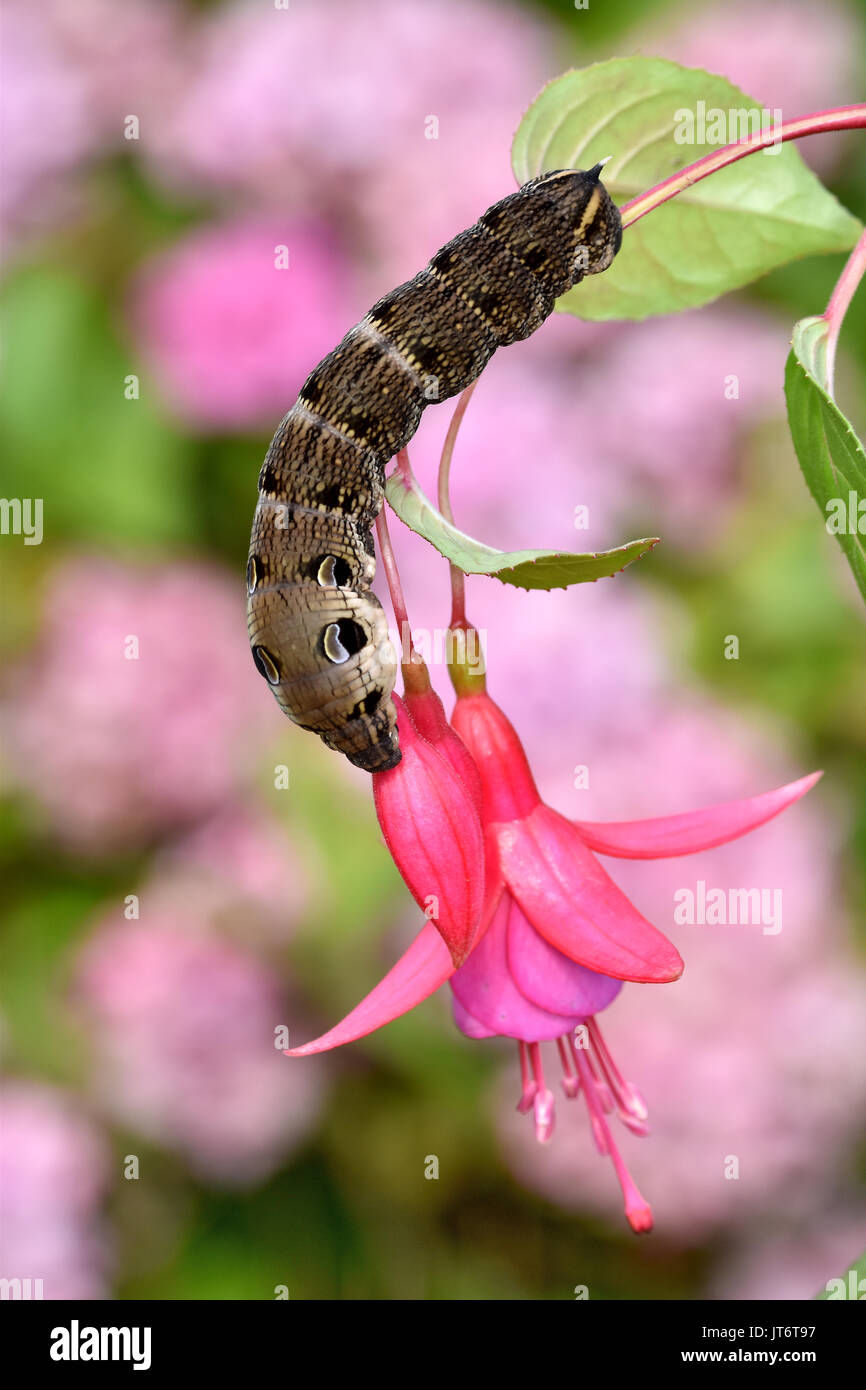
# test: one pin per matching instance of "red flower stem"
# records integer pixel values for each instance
(458, 579)
(404, 467)
(408, 654)
(846, 285)
(838, 118)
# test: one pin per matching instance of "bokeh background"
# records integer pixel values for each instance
(167, 904)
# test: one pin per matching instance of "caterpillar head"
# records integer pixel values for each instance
(591, 212)
(603, 229)
(327, 656)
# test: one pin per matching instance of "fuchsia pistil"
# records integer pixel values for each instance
(589, 1069)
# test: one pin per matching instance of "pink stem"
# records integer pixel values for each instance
(839, 118)
(846, 285)
(404, 468)
(448, 450)
(458, 578)
(395, 588)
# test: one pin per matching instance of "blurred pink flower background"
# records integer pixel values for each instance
(114, 748)
(795, 1267)
(72, 74)
(55, 1171)
(184, 1040)
(231, 331)
(326, 107)
(238, 864)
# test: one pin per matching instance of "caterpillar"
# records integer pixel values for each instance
(319, 637)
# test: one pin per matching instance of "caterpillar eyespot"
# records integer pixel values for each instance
(318, 635)
(266, 665)
(341, 640)
(333, 571)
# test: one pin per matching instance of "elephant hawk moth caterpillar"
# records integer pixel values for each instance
(318, 635)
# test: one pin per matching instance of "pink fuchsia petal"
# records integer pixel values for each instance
(572, 902)
(549, 979)
(664, 837)
(469, 1026)
(430, 822)
(487, 992)
(418, 973)
(507, 784)
(428, 714)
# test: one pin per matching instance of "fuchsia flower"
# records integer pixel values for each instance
(557, 936)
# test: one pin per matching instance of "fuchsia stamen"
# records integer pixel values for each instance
(602, 1089)
(570, 1083)
(543, 1104)
(600, 1131)
(597, 1075)
(529, 1087)
(630, 1104)
(637, 1210)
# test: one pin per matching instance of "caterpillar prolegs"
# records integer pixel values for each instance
(318, 635)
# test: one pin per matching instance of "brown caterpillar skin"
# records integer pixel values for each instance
(318, 635)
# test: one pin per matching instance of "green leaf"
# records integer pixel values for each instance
(526, 569)
(720, 234)
(830, 454)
